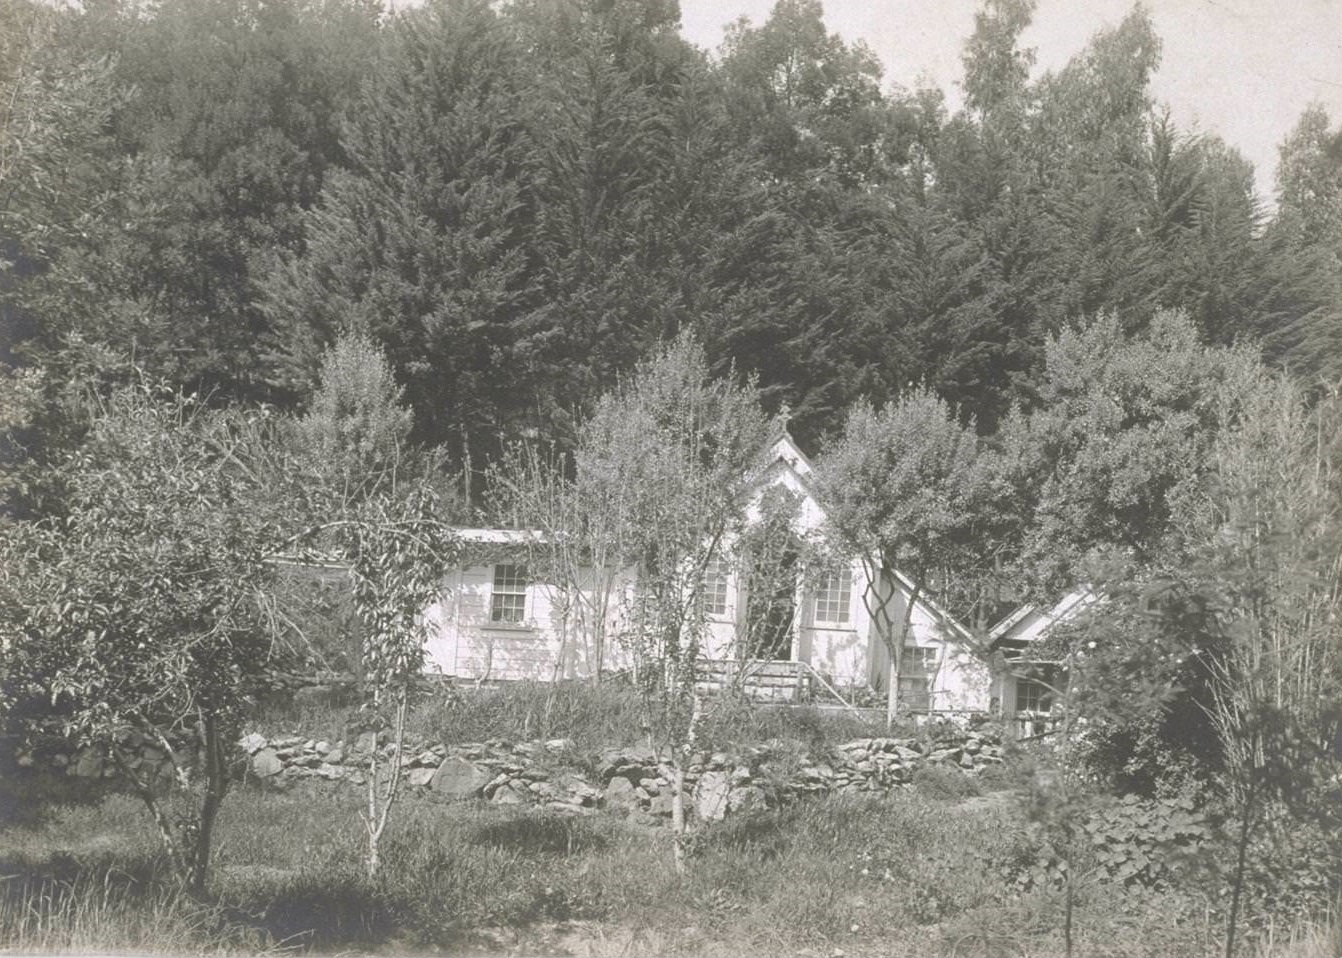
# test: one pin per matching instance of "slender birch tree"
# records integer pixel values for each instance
(684, 447)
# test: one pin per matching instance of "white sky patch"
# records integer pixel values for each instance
(1244, 69)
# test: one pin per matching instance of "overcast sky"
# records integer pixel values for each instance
(1242, 68)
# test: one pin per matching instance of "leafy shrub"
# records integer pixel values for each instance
(1292, 870)
(1145, 841)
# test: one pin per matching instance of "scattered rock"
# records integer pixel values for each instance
(252, 743)
(89, 764)
(660, 805)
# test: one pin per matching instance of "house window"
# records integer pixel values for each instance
(833, 597)
(509, 601)
(918, 668)
(714, 595)
(1033, 696)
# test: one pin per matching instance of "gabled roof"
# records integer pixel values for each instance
(942, 615)
(786, 450)
(786, 454)
(1005, 633)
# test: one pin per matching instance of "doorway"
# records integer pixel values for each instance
(771, 607)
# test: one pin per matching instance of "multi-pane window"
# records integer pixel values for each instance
(1033, 696)
(918, 667)
(714, 595)
(833, 596)
(509, 601)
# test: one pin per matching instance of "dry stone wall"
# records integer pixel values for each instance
(551, 774)
(554, 775)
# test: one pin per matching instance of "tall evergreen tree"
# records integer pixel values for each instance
(420, 246)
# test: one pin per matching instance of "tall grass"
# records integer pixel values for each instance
(1300, 940)
(593, 717)
(104, 910)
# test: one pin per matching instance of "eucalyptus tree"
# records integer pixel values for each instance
(1304, 239)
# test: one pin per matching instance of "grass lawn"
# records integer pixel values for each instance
(905, 875)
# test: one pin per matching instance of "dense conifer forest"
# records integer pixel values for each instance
(516, 201)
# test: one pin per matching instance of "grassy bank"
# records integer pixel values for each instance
(903, 875)
(593, 717)
(947, 868)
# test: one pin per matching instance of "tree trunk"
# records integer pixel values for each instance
(678, 818)
(1241, 858)
(169, 839)
(897, 657)
(371, 857)
(216, 787)
(379, 805)
(1069, 906)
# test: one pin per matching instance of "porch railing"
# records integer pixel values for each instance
(778, 680)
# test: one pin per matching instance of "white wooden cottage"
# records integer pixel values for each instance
(495, 622)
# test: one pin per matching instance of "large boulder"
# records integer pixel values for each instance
(512, 793)
(710, 795)
(457, 779)
(266, 763)
(620, 793)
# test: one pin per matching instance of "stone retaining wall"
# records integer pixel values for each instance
(552, 775)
